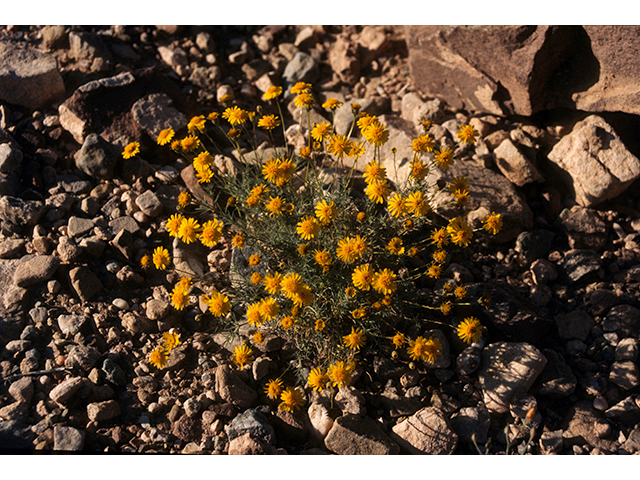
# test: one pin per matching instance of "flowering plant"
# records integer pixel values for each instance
(332, 257)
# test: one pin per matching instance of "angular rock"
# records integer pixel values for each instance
(85, 283)
(580, 265)
(233, 390)
(252, 422)
(77, 226)
(22, 390)
(426, 432)
(576, 324)
(625, 411)
(11, 247)
(596, 163)
(514, 165)
(101, 411)
(585, 228)
(155, 113)
(247, 445)
(302, 68)
(67, 439)
(356, 435)
(10, 158)
(20, 212)
(71, 324)
(29, 77)
(35, 269)
(583, 424)
(149, 203)
(97, 157)
(187, 428)
(624, 374)
(344, 60)
(64, 392)
(508, 368)
(624, 320)
(469, 422)
(82, 357)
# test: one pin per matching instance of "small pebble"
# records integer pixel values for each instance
(121, 304)
(600, 403)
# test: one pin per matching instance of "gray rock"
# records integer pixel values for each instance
(67, 250)
(101, 411)
(35, 269)
(113, 373)
(551, 442)
(625, 411)
(508, 368)
(77, 226)
(344, 60)
(157, 309)
(534, 244)
(65, 391)
(71, 324)
(302, 68)
(598, 165)
(356, 435)
(350, 400)
(581, 265)
(233, 390)
(11, 247)
(576, 324)
(254, 422)
(22, 390)
(627, 350)
(124, 222)
(68, 439)
(543, 271)
(85, 283)
(149, 203)
(426, 432)
(10, 158)
(585, 425)
(29, 77)
(82, 357)
(97, 157)
(585, 228)
(20, 212)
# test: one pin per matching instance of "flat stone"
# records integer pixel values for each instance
(35, 269)
(29, 77)
(624, 320)
(77, 226)
(149, 203)
(12, 247)
(71, 324)
(22, 390)
(514, 165)
(101, 411)
(85, 283)
(581, 265)
(624, 374)
(68, 439)
(97, 157)
(576, 324)
(356, 435)
(155, 113)
(508, 368)
(426, 432)
(20, 212)
(64, 392)
(233, 390)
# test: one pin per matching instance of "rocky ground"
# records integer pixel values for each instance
(556, 373)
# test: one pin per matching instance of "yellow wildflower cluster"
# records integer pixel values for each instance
(326, 264)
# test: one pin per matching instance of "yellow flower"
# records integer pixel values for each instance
(339, 145)
(259, 190)
(440, 237)
(238, 241)
(254, 317)
(211, 232)
(253, 200)
(269, 308)
(291, 283)
(213, 117)
(242, 354)
(302, 249)
(355, 339)
(254, 259)
(460, 232)
(170, 340)
(205, 175)
(184, 199)
(434, 270)
(272, 92)
(269, 122)
(377, 191)
(398, 340)
(257, 338)
(184, 283)
(362, 276)
(179, 298)
(161, 258)
(357, 150)
(424, 143)
(317, 379)
(419, 169)
(340, 374)
(424, 349)
(131, 150)
(374, 173)
(376, 134)
(467, 134)
(444, 158)
(418, 204)
(287, 322)
(196, 123)
(300, 87)
(292, 399)
(319, 325)
(256, 278)
(346, 250)
(304, 100)
(322, 257)
(461, 197)
(189, 230)
(219, 304)
(460, 292)
(286, 170)
(275, 206)
(359, 312)
(325, 212)
(320, 131)
(395, 246)
(173, 224)
(365, 121)
(308, 228)
(202, 162)
(273, 388)
(332, 104)
(361, 216)
(350, 292)
(145, 261)
(302, 297)
(189, 143)
(165, 136)
(397, 205)
(272, 283)
(446, 307)
(458, 183)
(158, 358)
(439, 256)
(384, 281)
(492, 223)
(235, 115)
